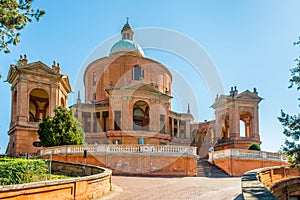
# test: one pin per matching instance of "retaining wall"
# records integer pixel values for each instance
(95, 183)
(137, 164)
(236, 162)
(271, 183)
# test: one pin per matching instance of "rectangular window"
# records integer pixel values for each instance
(86, 122)
(182, 129)
(138, 73)
(105, 116)
(94, 78)
(162, 124)
(170, 126)
(94, 96)
(117, 123)
(96, 122)
(175, 129)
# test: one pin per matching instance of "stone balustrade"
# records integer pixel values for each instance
(242, 153)
(122, 148)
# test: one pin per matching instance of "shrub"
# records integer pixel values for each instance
(254, 146)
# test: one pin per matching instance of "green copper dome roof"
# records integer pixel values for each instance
(126, 45)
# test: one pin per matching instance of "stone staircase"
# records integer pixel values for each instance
(206, 169)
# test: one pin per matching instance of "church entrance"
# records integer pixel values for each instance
(141, 116)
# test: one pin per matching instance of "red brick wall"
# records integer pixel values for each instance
(237, 167)
(139, 164)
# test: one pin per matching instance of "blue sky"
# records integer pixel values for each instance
(249, 41)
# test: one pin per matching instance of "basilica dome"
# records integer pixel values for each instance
(126, 45)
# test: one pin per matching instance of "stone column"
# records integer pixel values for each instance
(188, 130)
(255, 122)
(92, 122)
(79, 115)
(178, 128)
(53, 96)
(101, 123)
(172, 131)
(234, 124)
(23, 103)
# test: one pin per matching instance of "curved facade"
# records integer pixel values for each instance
(128, 98)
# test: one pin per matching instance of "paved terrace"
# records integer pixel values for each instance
(145, 188)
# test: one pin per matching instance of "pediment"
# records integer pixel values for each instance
(38, 67)
(140, 87)
(248, 95)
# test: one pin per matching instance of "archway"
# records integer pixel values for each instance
(245, 124)
(38, 105)
(140, 116)
(195, 136)
(225, 128)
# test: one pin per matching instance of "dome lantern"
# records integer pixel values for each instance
(127, 33)
(127, 45)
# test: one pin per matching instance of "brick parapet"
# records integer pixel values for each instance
(271, 183)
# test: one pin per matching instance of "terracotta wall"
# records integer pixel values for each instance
(238, 166)
(87, 187)
(271, 183)
(138, 164)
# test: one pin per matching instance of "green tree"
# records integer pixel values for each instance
(291, 123)
(254, 146)
(62, 129)
(14, 16)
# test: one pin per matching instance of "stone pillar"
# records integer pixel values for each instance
(79, 115)
(92, 122)
(23, 103)
(255, 122)
(247, 128)
(52, 99)
(188, 130)
(167, 124)
(178, 128)
(13, 106)
(101, 123)
(234, 123)
(172, 131)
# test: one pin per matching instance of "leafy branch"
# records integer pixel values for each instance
(14, 16)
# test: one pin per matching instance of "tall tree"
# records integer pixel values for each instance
(62, 129)
(14, 16)
(291, 123)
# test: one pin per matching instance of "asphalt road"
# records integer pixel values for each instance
(145, 188)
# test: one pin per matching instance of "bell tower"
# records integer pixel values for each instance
(237, 121)
(36, 90)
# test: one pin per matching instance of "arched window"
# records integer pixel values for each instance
(141, 116)
(38, 105)
(138, 73)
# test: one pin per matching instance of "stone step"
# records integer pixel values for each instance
(206, 169)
